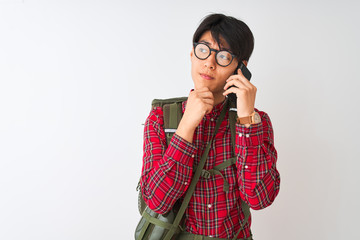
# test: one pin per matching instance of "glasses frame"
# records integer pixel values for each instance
(216, 53)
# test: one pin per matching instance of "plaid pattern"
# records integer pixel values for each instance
(167, 172)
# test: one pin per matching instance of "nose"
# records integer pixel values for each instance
(210, 62)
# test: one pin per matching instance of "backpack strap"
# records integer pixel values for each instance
(172, 109)
(246, 210)
(216, 171)
(232, 119)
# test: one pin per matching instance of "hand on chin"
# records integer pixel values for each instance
(202, 85)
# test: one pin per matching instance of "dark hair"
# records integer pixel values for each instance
(235, 32)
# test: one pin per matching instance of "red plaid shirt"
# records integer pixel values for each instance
(167, 172)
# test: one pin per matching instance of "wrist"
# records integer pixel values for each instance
(244, 114)
(185, 131)
(252, 118)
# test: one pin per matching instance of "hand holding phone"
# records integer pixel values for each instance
(247, 74)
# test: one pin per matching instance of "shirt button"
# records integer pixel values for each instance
(209, 205)
(212, 119)
(192, 155)
(240, 134)
(246, 166)
(185, 183)
(247, 135)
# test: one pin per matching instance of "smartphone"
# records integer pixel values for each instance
(245, 71)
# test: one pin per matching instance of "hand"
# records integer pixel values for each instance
(245, 93)
(199, 103)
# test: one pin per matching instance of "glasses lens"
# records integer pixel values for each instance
(223, 58)
(202, 51)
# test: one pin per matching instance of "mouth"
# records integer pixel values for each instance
(205, 76)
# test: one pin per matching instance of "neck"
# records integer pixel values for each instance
(218, 98)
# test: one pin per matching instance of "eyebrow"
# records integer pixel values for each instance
(221, 48)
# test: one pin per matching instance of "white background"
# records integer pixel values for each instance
(76, 83)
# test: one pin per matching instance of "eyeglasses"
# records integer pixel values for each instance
(222, 57)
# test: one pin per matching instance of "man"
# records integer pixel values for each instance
(220, 44)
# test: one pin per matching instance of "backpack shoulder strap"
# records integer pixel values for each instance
(232, 120)
(172, 109)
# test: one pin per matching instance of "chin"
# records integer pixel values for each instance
(204, 85)
(201, 84)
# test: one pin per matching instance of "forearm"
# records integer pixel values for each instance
(185, 130)
(167, 171)
(258, 178)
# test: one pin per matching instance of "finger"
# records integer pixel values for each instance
(239, 76)
(241, 91)
(241, 79)
(232, 90)
(208, 101)
(247, 83)
(205, 92)
(206, 95)
(237, 83)
(201, 93)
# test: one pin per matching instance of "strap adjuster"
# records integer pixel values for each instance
(205, 174)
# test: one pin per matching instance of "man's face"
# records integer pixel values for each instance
(207, 73)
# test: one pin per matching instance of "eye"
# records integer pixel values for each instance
(203, 49)
(224, 56)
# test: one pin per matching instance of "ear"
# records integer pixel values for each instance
(192, 52)
(245, 63)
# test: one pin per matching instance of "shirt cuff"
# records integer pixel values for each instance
(181, 150)
(251, 136)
